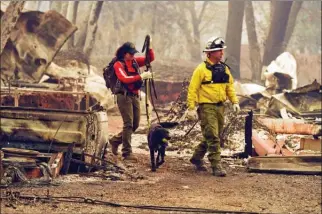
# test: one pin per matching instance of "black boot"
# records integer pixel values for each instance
(199, 164)
(218, 171)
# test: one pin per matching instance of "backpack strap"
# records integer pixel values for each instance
(124, 65)
(134, 64)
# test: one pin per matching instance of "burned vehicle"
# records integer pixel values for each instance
(42, 112)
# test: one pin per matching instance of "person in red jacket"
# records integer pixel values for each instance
(127, 71)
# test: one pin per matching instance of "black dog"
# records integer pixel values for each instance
(158, 137)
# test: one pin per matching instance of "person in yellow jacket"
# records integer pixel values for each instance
(210, 86)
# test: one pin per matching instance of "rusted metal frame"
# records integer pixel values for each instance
(18, 91)
(5, 90)
(42, 109)
(40, 155)
(16, 98)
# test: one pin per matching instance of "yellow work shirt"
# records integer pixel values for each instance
(209, 93)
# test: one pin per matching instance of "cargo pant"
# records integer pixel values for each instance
(129, 107)
(212, 123)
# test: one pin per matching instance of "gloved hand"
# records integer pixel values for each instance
(236, 108)
(146, 75)
(150, 39)
(191, 115)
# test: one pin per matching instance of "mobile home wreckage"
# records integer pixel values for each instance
(46, 109)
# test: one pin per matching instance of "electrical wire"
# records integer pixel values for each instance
(79, 199)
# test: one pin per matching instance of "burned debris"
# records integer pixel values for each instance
(46, 108)
(54, 120)
(285, 121)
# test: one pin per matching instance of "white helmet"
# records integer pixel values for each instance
(215, 44)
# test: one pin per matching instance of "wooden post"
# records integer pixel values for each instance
(56, 163)
(1, 172)
(248, 135)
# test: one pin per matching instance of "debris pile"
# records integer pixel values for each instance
(31, 167)
(285, 121)
(21, 165)
(187, 134)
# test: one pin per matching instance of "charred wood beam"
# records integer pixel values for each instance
(248, 135)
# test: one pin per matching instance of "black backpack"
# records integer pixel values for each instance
(111, 80)
(110, 77)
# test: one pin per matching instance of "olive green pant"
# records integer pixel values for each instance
(212, 123)
(129, 107)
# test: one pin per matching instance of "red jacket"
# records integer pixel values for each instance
(129, 79)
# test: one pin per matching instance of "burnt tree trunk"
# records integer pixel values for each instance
(274, 43)
(296, 6)
(154, 21)
(71, 16)
(56, 5)
(233, 35)
(9, 20)
(82, 32)
(254, 50)
(44, 6)
(193, 38)
(92, 27)
(196, 20)
(64, 7)
(117, 22)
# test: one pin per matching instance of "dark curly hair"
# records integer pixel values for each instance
(120, 52)
(127, 47)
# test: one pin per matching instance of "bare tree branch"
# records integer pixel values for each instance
(202, 11)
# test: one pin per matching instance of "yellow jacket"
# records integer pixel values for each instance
(209, 93)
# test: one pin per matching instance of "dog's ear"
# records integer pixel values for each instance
(168, 124)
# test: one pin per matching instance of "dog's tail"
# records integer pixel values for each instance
(168, 124)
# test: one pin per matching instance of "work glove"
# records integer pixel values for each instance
(236, 108)
(191, 115)
(146, 75)
(150, 39)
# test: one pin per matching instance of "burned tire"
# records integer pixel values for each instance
(96, 134)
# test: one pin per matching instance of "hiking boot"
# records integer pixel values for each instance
(115, 147)
(219, 171)
(199, 164)
(130, 158)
